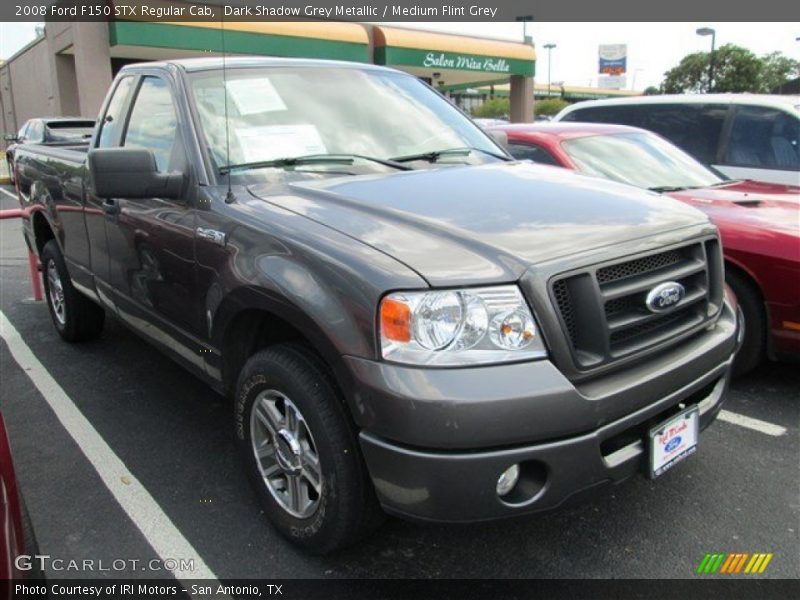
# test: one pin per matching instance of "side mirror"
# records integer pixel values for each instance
(501, 137)
(131, 173)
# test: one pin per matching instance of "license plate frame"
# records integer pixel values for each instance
(683, 427)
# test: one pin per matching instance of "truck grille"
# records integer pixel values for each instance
(603, 310)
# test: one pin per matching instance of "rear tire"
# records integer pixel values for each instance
(289, 379)
(754, 345)
(76, 318)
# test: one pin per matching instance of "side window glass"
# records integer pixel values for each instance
(21, 134)
(35, 132)
(695, 128)
(620, 115)
(764, 137)
(114, 119)
(531, 152)
(153, 124)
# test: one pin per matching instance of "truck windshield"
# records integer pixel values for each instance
(278, 113)
(640, 159)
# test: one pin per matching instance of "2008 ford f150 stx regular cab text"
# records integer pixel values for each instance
(404, 317)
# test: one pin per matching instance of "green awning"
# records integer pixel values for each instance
(339, 41)
(422, 49)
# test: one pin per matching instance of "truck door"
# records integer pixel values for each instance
(151, 240)
(109, 133)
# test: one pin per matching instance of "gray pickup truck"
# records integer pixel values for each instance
(407, 320)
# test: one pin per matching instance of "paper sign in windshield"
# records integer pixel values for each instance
(279, 141)
(254, 95)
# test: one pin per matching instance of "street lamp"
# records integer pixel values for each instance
(549, 51)
(524, 19)
(635, 71)
(708, 31)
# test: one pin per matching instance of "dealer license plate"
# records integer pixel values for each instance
(673, 440)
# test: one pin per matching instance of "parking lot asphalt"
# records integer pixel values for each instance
(739, 493)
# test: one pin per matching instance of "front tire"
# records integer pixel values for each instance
(76, 318)
(300, 450)
(754, 344)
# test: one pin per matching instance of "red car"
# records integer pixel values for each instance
(16, 537)
(759, 222)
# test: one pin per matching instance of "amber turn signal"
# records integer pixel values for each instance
(395, 320)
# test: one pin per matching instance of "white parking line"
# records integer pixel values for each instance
(751, 423)
(132, 496)
(7, 193)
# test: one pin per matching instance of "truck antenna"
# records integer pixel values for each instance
(230, 198)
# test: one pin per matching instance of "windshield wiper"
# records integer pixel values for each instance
(670, 188)
(435, 155)
(310, 159)
(680, 188)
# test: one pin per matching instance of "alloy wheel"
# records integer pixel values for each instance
(285, 453)
(56, 293)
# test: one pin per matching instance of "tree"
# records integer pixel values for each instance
(736, 69)
(550, 106)
(777, 69)
(651, 91)
(493, 108)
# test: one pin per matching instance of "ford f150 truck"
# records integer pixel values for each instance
(405, 317)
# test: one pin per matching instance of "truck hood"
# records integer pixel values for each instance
(481, 224)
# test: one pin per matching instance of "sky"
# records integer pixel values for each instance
(653, 48)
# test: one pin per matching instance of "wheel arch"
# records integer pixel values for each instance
(750, 279)
(247, 321)
(735, 266)
(44, 218)
(43, 231)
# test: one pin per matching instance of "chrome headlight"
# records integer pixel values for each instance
(459, 327)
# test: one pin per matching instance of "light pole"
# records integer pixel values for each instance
(549, 52)
(633, 84)
(524, 19)
(709, 31)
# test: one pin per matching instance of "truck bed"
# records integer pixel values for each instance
(75, 152)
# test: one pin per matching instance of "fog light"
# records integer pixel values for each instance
(508, 479)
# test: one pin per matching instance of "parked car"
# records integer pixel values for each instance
(16, 537)
(322, 252)
(486, 122)
(744, 136)
(49, 131)
(759, 222)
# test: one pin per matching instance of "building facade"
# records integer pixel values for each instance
(67, 70)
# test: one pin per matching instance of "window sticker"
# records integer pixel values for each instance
(254, 95)
(279, 141)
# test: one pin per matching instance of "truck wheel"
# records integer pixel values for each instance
(754, 345)
(76, 317)
(301, 452)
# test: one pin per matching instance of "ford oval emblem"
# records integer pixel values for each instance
(665, 296)
(672, 444)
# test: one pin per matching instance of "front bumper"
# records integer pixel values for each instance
(421, 446)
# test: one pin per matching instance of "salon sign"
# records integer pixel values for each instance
(445, 60)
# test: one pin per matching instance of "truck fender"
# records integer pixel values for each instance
(291, 300)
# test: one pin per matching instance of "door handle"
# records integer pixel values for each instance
(110, 206)
(212, 235)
